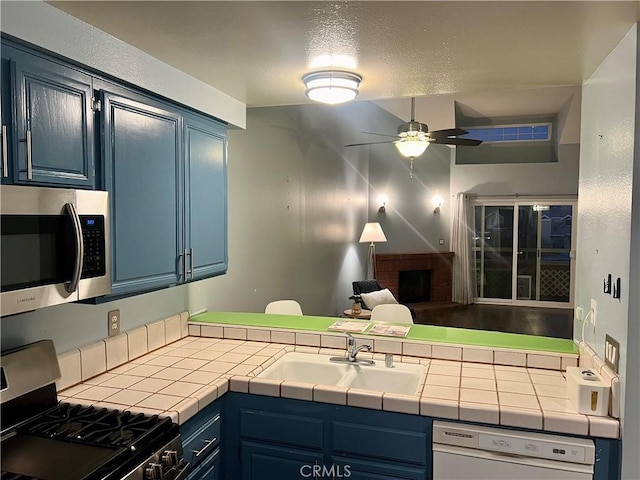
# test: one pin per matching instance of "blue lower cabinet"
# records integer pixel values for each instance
(261, 461)
(209, 469)
(202, 443)
(284, 428)
(355, 469)
(285, 439)
(383, 442)
(272, 438)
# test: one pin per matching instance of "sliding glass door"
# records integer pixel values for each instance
(524, 252)
(494, 251)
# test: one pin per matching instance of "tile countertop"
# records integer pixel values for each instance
(183, 377)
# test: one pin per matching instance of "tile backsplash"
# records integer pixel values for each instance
(440, 351)
(91, 360)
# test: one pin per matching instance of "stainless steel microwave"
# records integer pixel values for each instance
(55, 246)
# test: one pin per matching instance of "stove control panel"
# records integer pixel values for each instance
(166, 464)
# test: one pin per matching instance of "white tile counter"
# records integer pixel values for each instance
(184, 376)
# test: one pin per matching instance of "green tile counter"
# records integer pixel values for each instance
(426, 333)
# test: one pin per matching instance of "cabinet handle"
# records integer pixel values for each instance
(207, 444)
(184, 265)
(5, 153)
(191, 262)
(29, 157)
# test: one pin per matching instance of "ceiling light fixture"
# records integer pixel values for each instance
(413, 138)
(332, 86)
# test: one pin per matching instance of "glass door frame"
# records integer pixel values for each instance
(516, 203)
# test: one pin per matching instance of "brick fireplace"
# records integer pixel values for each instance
(389, 266)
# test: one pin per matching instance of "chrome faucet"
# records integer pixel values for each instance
(352, 350)
(352, 353)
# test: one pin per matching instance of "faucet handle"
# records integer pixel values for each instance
(351, 342)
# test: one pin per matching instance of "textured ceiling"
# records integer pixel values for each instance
(257, 52)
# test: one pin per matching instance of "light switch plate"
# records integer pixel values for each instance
(113, 318)
(611, 353)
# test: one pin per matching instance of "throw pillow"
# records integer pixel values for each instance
(379, 297)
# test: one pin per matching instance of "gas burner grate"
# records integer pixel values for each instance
(93, 426)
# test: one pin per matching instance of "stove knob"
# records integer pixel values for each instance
(169, 458)
(153, 471)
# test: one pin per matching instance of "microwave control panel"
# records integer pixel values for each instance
(93, 238)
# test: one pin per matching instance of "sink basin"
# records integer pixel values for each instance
(318, 369)
(305, 367)
(399, 379)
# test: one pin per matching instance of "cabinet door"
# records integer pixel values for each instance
(266, 462)
(5, 120)
(345, 467)
(201, 443)
(142, 174)
(54, 123)
(206, 197)
(209, 469)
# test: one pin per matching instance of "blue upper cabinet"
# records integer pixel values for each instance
(205, 150)
(166, 171)
(53, 122)
(142, 171)
(164, 166)
(5, 121)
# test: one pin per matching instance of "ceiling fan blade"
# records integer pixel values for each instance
(449, 132)
(380, 134)
(368, 143)
(466, 142)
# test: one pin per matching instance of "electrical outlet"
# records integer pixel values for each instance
(611, 353)
(579, 314)
(441, 241)
(594, 309)
(114, 322)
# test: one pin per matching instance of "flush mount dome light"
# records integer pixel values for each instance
(332, 86)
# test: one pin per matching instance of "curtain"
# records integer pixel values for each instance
(464, 281)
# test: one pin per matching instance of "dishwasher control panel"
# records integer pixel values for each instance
(522, 445)
(515, 442)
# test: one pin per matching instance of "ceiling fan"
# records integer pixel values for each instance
(413, 137)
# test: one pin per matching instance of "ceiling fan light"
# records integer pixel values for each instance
(412, 146)
(331, 87)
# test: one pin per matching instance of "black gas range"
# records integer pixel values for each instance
(46, 440)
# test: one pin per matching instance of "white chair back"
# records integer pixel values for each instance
(284, 307)
(392, 313)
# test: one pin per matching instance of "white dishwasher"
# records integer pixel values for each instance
(469, 452)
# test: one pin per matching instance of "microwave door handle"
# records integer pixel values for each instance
(72, 286)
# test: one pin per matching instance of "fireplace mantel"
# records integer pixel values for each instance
(389, 264)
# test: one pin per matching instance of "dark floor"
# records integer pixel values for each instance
(546, 322)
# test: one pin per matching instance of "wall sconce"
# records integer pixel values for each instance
(382, 201)
(437, 203)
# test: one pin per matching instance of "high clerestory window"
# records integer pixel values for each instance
(511, 133)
